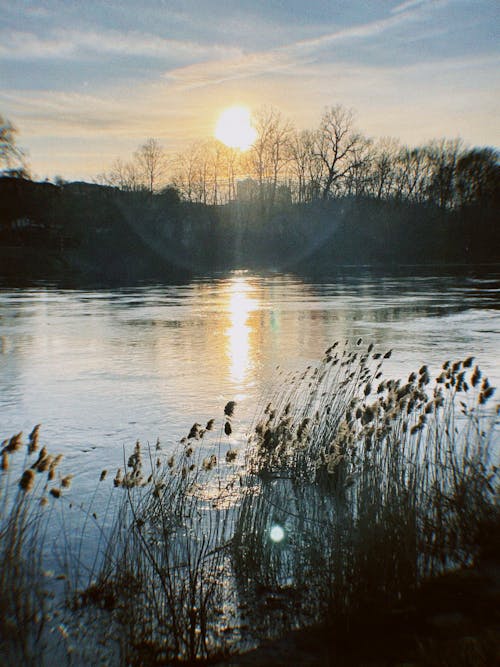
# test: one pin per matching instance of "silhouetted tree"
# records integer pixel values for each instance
(412, 174)
(305, 167)
(357, 179)
(443, 157)
(12, 158)
(124, 175)
(151, 163)
(478, 176)
(185, 170)
(383, 167)
(271, 151)
(335, 146)
(285, 165)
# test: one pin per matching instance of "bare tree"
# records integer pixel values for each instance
(184, 172)
(412, 178)
(151, 162)
(270, 152)
(336, 145)
(383, 167)
(305, 168)
(12, 158)
(123, 175)
(357, 178)
(214, 155)
(232, 168)
(207, 172)
(196, 173)
(443, 157)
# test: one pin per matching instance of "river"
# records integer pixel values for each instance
(101, 368)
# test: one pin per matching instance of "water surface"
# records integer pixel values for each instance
(101, 368)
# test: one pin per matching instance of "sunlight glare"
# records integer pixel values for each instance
(238, 333)
(234, 128)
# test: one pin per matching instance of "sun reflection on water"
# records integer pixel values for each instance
(240, 304)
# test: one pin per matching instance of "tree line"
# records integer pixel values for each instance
(333, 160)
(287, 165)
(297, 200)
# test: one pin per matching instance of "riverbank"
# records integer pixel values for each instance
(453, 620)
(93, 232)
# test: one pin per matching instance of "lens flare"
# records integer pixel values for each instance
(277, 533)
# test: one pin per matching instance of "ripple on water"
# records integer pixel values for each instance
(102, 368)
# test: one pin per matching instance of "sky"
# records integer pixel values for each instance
(86, 82)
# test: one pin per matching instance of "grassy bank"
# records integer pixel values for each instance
(349, 495)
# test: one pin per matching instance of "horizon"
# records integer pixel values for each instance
(87, 86)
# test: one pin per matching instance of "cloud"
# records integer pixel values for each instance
(285, 57)
(67, 114)
(67, 43)
(218, 71)
(23, 45)
(420, 5)
(409, 4)
(397, 70)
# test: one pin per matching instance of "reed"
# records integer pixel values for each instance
(164, 572)
(350, 491)
(26, 485)
(376, 485)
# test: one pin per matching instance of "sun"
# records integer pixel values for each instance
(235, 129)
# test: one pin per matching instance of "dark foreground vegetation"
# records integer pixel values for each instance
(91, 232)
(355, 505)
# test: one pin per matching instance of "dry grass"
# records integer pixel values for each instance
(377, 485)
(351, 491)
(163, 577)
(27, 493)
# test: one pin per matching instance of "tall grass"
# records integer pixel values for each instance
(164, 574)
(351, 491)
(376, 484)
(26, 505)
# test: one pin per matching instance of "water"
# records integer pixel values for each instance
(102, 368)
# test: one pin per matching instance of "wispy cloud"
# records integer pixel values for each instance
(290, 56)
(100, 82)
(21, 45)
(80, 44)
(219, 71)
(409, 4)
(70, 113)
